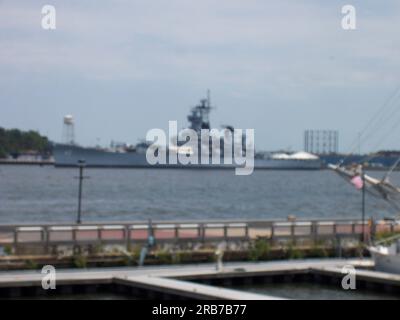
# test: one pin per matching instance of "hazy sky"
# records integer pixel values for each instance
(124, 67)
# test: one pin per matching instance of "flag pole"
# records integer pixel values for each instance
(363, 204)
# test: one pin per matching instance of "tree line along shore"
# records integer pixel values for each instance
(14, 142)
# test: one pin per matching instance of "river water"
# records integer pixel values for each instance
(48, 194)
(314, 291)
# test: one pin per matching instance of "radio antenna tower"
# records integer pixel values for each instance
(68, 130)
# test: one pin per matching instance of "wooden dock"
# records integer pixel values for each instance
(368, 277)
(179, 281)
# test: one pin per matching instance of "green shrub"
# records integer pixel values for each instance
(30, 264)
(8, 250)
(163, 257)
(97, 249)
(293, 252)
(318, 251)
(259, 250)
(135, 251)
(80, 261)
(176, 257)
(127, 260)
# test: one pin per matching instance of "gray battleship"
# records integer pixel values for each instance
(126, 156)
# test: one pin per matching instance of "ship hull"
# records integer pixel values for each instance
(68, 156)
(385, 262)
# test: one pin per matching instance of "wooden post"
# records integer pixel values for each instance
(127, 235)
(292, 231)
(176, 233)
(272, 234)
(314, 231)
(202, 232)
(99, 235)
(45, 235)
(15, 244)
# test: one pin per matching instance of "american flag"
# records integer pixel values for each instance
(358, 182)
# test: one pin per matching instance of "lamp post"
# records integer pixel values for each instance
(81, 165)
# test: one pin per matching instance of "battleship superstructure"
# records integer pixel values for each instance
(121, 155)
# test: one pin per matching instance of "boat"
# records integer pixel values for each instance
(69, 155)
(127, 156)
(378, 161)
(379, 188)
(386, 258)
(352, 167)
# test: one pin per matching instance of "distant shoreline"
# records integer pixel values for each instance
(27, 162)
(52, 163)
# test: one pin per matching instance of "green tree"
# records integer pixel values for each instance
(14, 142)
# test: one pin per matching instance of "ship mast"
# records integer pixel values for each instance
(199, 116)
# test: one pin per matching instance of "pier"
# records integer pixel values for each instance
(31, 246)
(172, 282)
(197, 281)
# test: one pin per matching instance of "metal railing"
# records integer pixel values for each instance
(128, 233)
